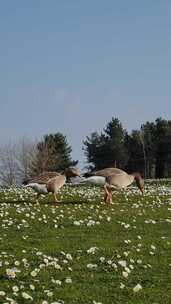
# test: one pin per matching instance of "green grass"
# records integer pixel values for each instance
(53, 241)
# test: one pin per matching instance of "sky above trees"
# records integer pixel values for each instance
(69, 66)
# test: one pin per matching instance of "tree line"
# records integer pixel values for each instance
(28, 158)
(147, 150)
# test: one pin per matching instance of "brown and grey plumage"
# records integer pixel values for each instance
(121, 180)
(113, 178)
(41, 178)
(105, 172)
(51, 181)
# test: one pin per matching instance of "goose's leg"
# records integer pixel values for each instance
(105, 197)
(56, 199)
(110, 196)
(106, 194)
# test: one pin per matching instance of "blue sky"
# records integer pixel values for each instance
(70, 65)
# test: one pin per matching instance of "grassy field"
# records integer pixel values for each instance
(83, 251)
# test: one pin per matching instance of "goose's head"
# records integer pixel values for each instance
(72, 172)
(25, 182)
(139, 181)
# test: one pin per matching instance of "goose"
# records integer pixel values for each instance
(98, 178)
(105, 172)
(50, 182)
(113, 178)
(121, 181)
(93, 180)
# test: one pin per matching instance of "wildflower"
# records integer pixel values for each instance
(92, 250)
(91, 266)
(32, 287)
(68, 280)
(69, 256)
(57, 266)
(2, 293)
(126, 226)
(139, 261)
(49, 293)
(114, 266)
(125, 274)
(12, 301)
(127, 269)
(65, 261)
(122, 285)
(26, 296)
(122, 263)
(15, 288)
(137, 288)
(10, 273)
(76, 223)
(33, 273)
(61, 302)
(91, 223)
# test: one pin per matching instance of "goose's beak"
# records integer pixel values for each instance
(142, 190)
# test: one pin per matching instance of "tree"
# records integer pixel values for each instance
(163, 147)
(17, 161)
(27, 156)
(108, 148)
(94, 149)
(135, 152)
(54, 154)
(116, 152)
(149, 149)
(148, 131)
(9, 165)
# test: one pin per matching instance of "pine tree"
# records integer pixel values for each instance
(54, 154)
(107, 149)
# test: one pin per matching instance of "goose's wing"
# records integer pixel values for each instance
(108, 171)
(94, 180)
(43, 178)
(120, 180)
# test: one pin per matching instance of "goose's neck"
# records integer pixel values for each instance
(136, 175)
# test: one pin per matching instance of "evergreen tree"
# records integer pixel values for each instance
(54, 154)
(163, 148)
(116, 153)
(135, 152)
(149, 141)
(94, 149)
(107, 149)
